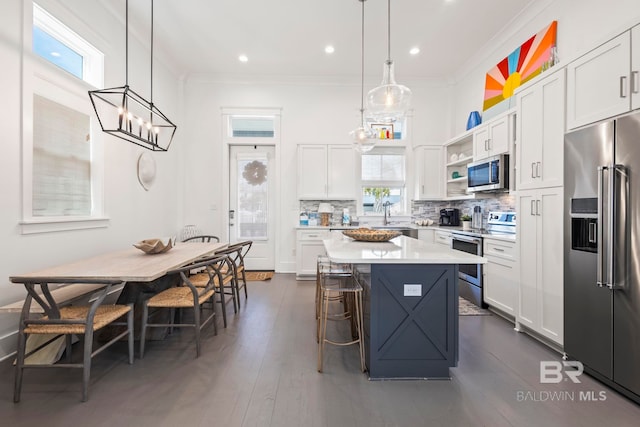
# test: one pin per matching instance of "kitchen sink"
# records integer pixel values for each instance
(407, 231)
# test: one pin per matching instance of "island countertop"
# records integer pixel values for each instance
(399, 250)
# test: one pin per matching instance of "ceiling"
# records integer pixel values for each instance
(287, 37)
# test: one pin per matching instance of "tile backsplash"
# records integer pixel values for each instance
(338, 205)
(422, 209)
(431, 209)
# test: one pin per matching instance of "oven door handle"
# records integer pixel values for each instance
(464, 238)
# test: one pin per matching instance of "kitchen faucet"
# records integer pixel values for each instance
(386, 205)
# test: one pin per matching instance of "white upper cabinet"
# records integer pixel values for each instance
(326, 172)
(341, 167)
(491, 138)
(429, 161)
(540, 133)
(635, 67)
(599, 83)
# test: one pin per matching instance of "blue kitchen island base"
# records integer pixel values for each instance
(410, 319)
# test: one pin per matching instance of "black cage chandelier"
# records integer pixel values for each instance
(127, 115)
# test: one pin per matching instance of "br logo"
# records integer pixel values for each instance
(554, 372)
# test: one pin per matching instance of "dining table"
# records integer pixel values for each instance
(142, 273)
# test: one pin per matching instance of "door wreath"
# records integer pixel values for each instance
(255, 173)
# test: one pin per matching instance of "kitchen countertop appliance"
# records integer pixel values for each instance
(470, 283)
(602, 257)
(450, 217)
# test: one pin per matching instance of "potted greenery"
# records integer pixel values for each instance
(466, 222)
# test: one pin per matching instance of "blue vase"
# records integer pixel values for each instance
(473, 120)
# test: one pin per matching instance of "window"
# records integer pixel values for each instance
(61, 160)
(383, 180)
(62, 151)
(251, 127)
(58, 44)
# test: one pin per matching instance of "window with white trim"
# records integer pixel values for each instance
(383, 180)
(61, 46)
(62, 152)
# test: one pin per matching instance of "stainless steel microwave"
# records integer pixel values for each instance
(490, 174)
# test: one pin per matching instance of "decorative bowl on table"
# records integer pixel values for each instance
(154, 246)
(369, 235)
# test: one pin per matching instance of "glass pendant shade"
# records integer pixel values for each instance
(390, 101)
(363, 138)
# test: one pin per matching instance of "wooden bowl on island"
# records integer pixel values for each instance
(369, 235)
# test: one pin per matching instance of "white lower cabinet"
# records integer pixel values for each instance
(309, 247)
(501, 275)
(442, 237)
(540, 237)
(426, 235)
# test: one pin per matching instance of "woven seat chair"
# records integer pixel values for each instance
(67, 321)
(237, 253)
(203, 239)
(225, 284)
(185, 295)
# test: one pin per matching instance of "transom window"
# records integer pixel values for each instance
(58, 44)
(251, 126)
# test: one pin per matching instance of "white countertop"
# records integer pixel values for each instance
(400, 250)
(472, 232)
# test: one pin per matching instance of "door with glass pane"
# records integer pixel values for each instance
(252, 202)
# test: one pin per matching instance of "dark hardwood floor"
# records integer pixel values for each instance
(261, 371)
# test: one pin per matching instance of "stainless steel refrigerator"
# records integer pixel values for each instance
(602, 252)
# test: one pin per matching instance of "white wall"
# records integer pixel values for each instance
(582, 26)
(134, 213)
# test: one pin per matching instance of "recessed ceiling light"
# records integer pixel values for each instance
(329, 49)
(55, 54)
(243, 58)
(414, 50)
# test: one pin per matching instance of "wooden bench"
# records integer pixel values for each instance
(63, 295)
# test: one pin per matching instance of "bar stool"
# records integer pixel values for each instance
(326, 268)
(334, 287)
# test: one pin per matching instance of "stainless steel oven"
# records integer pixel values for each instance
(469, 275)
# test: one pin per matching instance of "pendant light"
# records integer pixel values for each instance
(390, 101)
(362, 137)
(127, 115)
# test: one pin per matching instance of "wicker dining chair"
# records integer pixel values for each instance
(203, 238)
(185, 295)
(237, 252)
(225, 284)
(81, 320)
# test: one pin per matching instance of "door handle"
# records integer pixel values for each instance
(538, 207)
(600, 242)
(533, 207)
(538, 169)
(489, 144)
(623, 86)
(486, 145)
(635, 82)
(593, 227)
(533, 169)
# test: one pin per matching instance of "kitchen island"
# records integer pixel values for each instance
(410, 303)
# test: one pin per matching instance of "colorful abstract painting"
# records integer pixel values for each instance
(520, 66)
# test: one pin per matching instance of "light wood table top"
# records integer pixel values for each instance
(130, 265)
